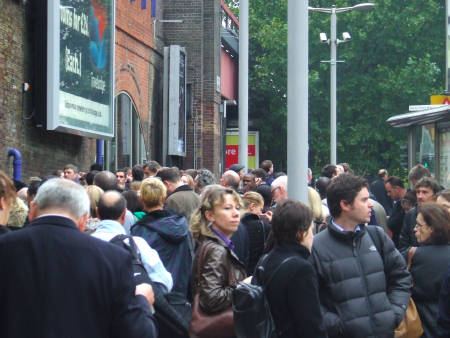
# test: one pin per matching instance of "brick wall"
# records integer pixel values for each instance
(42, 151)
(200, 35)
(138, 67)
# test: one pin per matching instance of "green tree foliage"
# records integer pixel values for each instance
(396, 58)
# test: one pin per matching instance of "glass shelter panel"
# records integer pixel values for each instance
(444, 158)
(424, 146)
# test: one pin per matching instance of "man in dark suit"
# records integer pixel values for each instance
(59, 282)
(379, 191)
(396, 191)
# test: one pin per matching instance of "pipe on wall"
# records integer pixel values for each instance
(100, 155)
(17, 163)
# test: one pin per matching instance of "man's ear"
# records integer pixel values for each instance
(122, 216)
(344, 205)
(82, 222)
(33, 213)
(2, 203)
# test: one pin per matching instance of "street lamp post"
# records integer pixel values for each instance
(333, 42)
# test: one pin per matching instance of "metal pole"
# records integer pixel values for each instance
(297, 119)
(243, 83)
(224, 136)
(333, 66)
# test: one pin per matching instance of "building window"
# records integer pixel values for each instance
(127, 148)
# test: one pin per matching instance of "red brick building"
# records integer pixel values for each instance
(140, 38)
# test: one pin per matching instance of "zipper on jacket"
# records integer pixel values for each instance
(364, 282)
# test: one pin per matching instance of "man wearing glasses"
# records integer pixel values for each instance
(279, 189)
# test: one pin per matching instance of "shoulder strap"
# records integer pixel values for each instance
(411, 253)
(131, 243)
(269, 279)
(376, 239)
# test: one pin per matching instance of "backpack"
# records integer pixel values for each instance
(139, 273)
(172, 309)
(251, 310)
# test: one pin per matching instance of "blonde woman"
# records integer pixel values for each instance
(320, 212)
(257, 226)
(165, 231)
(94, 192)
(212, 225)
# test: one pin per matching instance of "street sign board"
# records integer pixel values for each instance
(424, 107)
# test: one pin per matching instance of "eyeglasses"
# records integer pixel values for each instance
(273, 190)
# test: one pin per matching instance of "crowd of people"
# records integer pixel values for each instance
(153, 251)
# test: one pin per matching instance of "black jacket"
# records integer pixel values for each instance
(59, 282)
(407, 236)
(428, 270)
(258, 231)
(292, 293)
(379, 191)
(4, 230)
(444, 308)
(395, 222)
(352, 283)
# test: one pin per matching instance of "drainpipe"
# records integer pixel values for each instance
(100, 151)
(17, 163)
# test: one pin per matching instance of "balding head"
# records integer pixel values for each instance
(112, 206)
(230, 179)
(106, 180)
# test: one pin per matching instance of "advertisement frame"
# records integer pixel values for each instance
(53, 77)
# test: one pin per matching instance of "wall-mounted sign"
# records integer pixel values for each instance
(175, 99)
(80, 67)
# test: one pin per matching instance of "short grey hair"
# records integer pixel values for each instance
(63, 194)
(281, 181)
(205, 178)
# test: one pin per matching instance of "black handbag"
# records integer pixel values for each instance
(252, 316)
(172, 312)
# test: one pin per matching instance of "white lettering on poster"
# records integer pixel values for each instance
(98, 83)
(79, 22)
(73, 62)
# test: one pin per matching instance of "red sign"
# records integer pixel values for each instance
(232, 154)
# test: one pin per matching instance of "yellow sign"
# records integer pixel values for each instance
(439, 99)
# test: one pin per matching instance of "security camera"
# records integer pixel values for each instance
(323, 38)
(346, 36)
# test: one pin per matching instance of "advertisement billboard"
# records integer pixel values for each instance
(80, 67)
(232, 149)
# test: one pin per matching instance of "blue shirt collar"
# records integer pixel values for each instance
(358, 228)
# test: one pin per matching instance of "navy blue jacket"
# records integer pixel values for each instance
(59, 282)
(168, 233)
